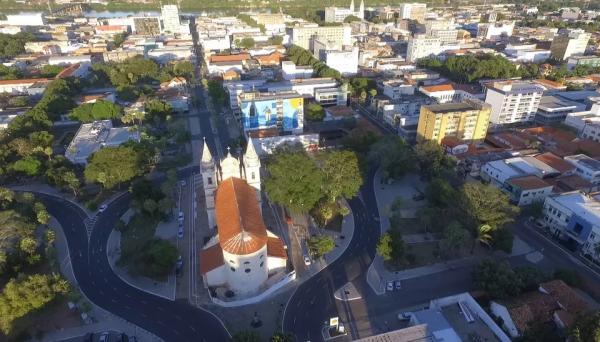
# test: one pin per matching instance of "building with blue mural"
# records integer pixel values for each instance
(281, 111)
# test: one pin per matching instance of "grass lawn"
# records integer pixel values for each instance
(406, 225)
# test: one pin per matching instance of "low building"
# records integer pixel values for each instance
(527, 190)
(574, 217)
(30, 86)
(591, 61)
(467, 121)
(495, 31)
(336, 96)
(167, 54)
(553, 302)
(499, 171)
(91, 137)
(449, 92)
(268, 110)
(586, 167)
(397, 88)
(553, 110)
(291, 71)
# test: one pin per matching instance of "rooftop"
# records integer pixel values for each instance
(515, 87)
(555, 162)
(585, 161)
(528, 182)
(451, 107)
(554, 103)
(581, 205)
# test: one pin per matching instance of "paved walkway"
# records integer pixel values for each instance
(161, 289)
(103, 319)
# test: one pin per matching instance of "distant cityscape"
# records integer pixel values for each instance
(272, 172)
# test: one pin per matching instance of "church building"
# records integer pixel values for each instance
(243, 253)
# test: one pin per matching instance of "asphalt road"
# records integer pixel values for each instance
(171, 321)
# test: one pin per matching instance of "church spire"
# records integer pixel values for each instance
(207, 158)
(250, 156)
(352, 6)
(361, 10)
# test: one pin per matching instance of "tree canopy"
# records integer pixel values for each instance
(471, 68)
(13, 44)
(111, 166)
(99, 110)
(394, 156)
(301, 56)
(314, 112)
(497, 279)
(320, 245)
(586, 328)
(342, 174)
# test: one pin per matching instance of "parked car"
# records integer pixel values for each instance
(181, 217)
(179, 265)
(397, 285)
(389, 286)
(102, 208)
(180, 231)
(404, 316)
(306, 260)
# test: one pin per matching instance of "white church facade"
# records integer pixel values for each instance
(339, 14)
(244, 252)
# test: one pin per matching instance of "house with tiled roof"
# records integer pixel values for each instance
(244, 253)
(553, 302)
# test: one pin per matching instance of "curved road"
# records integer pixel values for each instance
(171, 321)
(313, 302)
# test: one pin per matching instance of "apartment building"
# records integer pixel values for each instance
(569, 43)
(422, 46)
(336, 36)
(513, 101)
(466, 121)
(170, 18)
(413, 11)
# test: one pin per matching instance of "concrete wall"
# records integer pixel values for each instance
(501, 311)
(268, 292)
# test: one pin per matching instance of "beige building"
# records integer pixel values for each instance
(422, 46)
(336, 36)
(414, 11)
(569, 43)
(269, 19)
(465, 121)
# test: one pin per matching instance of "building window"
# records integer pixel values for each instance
(246, 262)
(247, 270)
(232, 269)
(209, 181)
(253, 176)
(262, 263)
(231, 262)
(261, 256)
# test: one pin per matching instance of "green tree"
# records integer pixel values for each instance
(320, 245)
(50, 71)
(586, 328)
(502, 239)
(281, 337)
(247, 43)
(385, 247)
(30, 166)
(351, 18)
(485, 205)
(497, 279)
(391, 247)
(342, 175)
(7, 196)
(158, 258)
(314, 112)
(393, 155)
(20, 297)
(530, 277)
(440, 193)
(246, 336)
(431, 159)
(158, 111)
(570, 277)
(455, 237)
(294, 182)
(111, 166)
(118, 39)
(275, 40)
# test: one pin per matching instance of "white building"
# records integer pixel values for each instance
(586, 167)
(70, 59)
(93, 136)
(569, 43)
(397, 88)
(170, 18)
(345, 61)
(336, 36)
(291, 71)
(24, 19)
(449, 92)
(495, 31)
(513, 101)
(527, 55)
(243, 253)
(339, 14)
(527, 190)
(587, 123)
(422, 46)
(414, 11)
(498, 172)
(167, 54)
(334, 96)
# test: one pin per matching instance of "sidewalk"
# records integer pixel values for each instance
(161, 289)
(104, 320)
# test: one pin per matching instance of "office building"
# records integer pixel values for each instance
(413, 11)
(335, 36)
(339, 14)
(422, 46)
(466, 121)
(513, 101)
(569, 43)
(170, 18)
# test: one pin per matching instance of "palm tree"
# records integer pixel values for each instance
(484, 235)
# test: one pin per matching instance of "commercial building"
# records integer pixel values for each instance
(553, 109)
(498, 172)
(591, 61)
(91, 137)
(586, 167)
(495, 31)
(587, 123)
(243, 254)
(569, 43)
(335, 36)
(336, 96)
(339, 14)
(513, 101)
(466, 121)
(575, 217)
(527, 190)
(280, 111)
(422, 46)
(413, 11)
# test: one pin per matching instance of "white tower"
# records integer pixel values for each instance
(361, 10)
(252, 168)
(352, 6)
(230, 167)
(208, 169)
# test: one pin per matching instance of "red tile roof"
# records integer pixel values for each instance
(528, 182)
(439, 87)
(229, 58)
(275, 248)
(68, 71)
(211, 258)
(555, 162)
(239, 219)
(23, 81)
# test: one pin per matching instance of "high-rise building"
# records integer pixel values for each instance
(338, 14)
(422, 46)
(414, 11)
(569, 43)
(335, 36)
(170, 17)
(465, 121)
(513, 101)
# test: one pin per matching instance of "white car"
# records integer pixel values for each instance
(306, 260)
(181, 216)
(102, 208)
(104, 337)
(404, 316)
(390, 286)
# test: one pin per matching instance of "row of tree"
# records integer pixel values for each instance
(301, 56)
(471, 68)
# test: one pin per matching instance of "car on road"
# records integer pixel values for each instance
(306, 260)
(102, 208)
(397, 285)
(183, 183)
(179, 265)
(389, 286)
(181, 217)
(404, 316)
(180, 231)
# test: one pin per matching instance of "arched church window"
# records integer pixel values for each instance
(209, 180)
(247, 270)
(253, 176)
(232, 269)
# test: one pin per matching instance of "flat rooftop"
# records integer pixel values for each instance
(451, 107)
(581, 205)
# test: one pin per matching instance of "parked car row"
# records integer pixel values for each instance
(392, 285)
